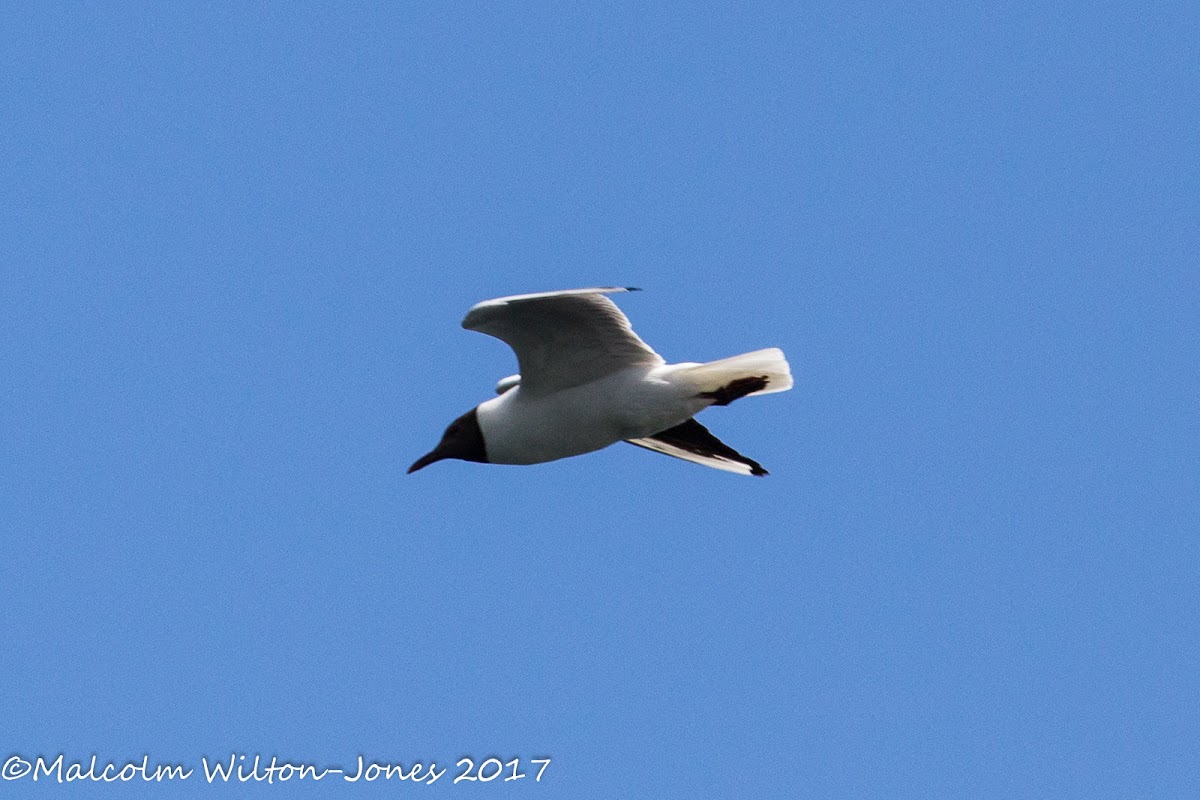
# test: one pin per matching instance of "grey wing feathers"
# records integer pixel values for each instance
(562, 339)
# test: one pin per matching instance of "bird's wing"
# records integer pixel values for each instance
(691, 441)
(563, 339)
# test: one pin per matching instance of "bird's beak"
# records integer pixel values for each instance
(426, 460)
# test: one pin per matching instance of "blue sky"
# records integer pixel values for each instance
(237, 243)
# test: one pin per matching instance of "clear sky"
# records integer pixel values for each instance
(236, 242)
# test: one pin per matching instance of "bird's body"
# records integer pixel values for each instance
(524, 428)
(588, 381)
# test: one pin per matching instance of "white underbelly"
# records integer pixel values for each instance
(519, 429)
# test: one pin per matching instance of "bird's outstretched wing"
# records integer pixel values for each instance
(691, 441)
(563, 339)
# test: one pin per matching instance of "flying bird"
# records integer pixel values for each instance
(588, 381)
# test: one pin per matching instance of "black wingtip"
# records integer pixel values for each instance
(633, 288)
(692, 437)
(736, 390)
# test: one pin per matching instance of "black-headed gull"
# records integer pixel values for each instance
(588, 381)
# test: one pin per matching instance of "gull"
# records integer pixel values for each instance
(588, 381)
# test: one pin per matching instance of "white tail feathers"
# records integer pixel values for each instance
(769, 364)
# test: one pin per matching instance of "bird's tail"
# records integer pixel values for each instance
(760, 372)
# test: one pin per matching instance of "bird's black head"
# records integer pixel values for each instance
(463, 439)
